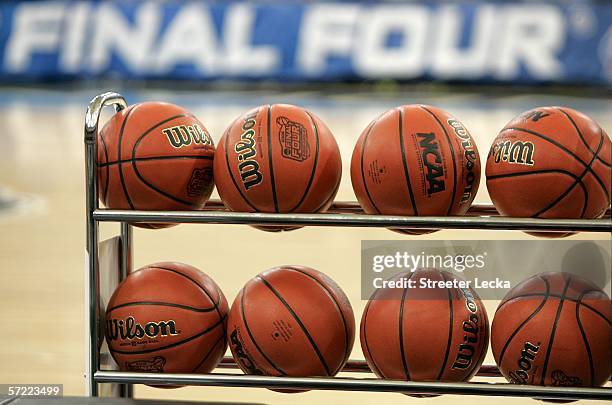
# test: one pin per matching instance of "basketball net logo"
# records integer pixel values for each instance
(294, 139)
(560, 379)
(535, 115)
(470, 155)
(245, 148)
(155, 365)
(466, 351)
(432, 160)
(517, 152)
(185, 135)
(130, 329)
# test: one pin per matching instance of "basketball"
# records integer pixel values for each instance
(291, 321)
(415, 160)
(553, 329)
(425, 333)
(155, 156)
(167, 318)
(278, 158)
(550, 162)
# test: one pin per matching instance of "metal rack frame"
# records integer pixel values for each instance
(340, 215)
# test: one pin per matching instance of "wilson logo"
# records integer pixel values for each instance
(248, 167)
(470, 327)
(524, 363)
(184, 135)
(432, 160)
(294, 139)
(130, 329)
(471, 156)
(241, 356)
(517, 152)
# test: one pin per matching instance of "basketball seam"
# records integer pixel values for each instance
(450, 331)
(123, 185)
(105, 189)
(517, 330)
(246, 325)
(584, 338)
(570, 188)
(212, 348)
(299, 321)
(314, 167)
(401, 331)
(117, 162)
(160, 303)
(554, 330)
(271, 162)
(560, 146)
(169, 346)
(365, 337)
(229, 169)
(594, 310)
(363, 147)
(201, 288)
(450, 146)
(333, 298)
(577, 181)
(595, 153)
(405, 164)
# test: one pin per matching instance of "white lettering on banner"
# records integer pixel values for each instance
(37, 28)
(326, 30)
(531, 35)
(190, 38)
(131, 41)
(502, 40)
(75, 26)
(449, 59)
(371, 55)
(241, 56)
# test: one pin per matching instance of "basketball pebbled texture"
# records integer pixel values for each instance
(415, 160)
(277, 158)
(167, 317)
(553, 329)
(425, 334)
(155, 156)
(291, 321)
(550, 162)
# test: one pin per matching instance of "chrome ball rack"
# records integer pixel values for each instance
(340, 215)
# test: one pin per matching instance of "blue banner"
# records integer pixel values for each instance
(507, 42)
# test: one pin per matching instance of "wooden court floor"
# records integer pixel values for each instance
(42, 231)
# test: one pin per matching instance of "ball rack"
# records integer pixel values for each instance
(340, 215)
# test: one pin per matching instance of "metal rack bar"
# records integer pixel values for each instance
(354, 384)
(92, 117)
(357, 220)
(361, 366)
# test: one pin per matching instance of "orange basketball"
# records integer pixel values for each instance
(291, 321)
(415, 160)
(425, 332)
(550, 162)
(553, 329)
(155, 156)
(278, 158)
(167, 317)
